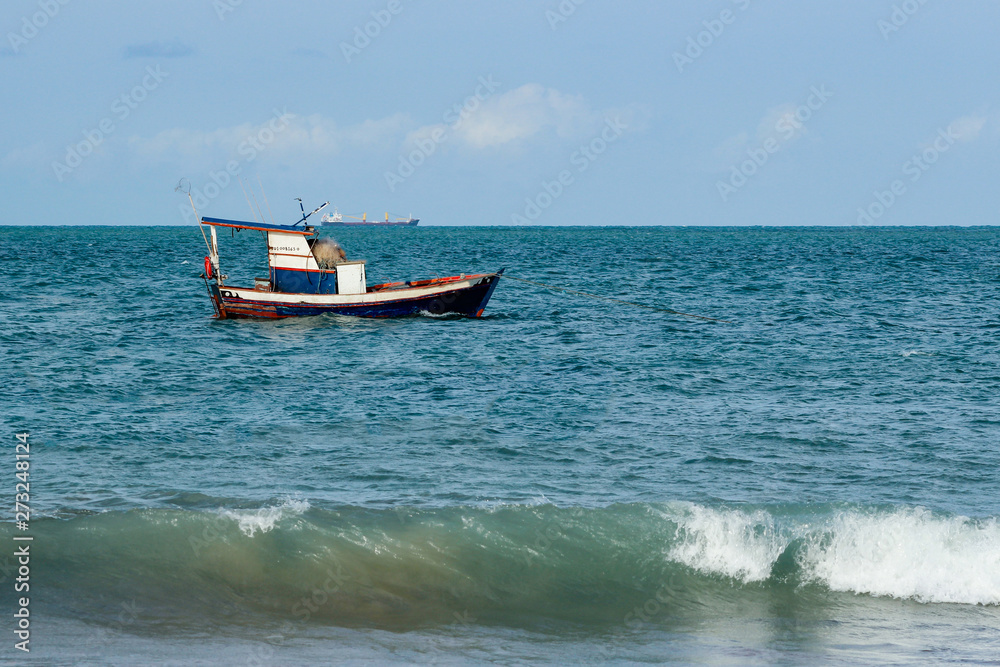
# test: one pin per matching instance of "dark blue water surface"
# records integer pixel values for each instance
(563, 480)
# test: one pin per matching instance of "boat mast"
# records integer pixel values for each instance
(214, 255)
(213, 247)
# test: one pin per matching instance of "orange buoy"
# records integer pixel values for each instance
(208, 268)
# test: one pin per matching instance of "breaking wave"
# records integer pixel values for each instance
(265, 518)
(519, 564)
(907, 553)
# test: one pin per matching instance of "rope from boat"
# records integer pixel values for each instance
(608, 298)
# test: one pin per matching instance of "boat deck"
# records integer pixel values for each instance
(432, 282)
(262, 284)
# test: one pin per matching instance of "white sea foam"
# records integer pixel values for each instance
(737, 544)
(440, 316)
(265, 519)
(909, 553)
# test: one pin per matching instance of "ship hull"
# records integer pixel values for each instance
(457, 295)
(404, 223)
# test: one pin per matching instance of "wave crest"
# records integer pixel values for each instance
(740, 545)
(264, 519)
(409, 567)
(908, 553)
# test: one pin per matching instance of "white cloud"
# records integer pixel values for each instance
(531, 112)
(425, 133)
(523, 113)
(35, 156)
(967, 128)
(781, 123)
(778, 124)
(300, 138)
(520, 117)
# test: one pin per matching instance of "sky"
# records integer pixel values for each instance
(521, 112)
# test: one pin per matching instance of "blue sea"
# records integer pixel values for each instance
(565, 480)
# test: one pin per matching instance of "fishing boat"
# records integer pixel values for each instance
(301, 284)
(336, 219)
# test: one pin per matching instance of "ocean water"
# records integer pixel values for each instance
(563, 481)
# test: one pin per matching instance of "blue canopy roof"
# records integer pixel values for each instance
(220, 222)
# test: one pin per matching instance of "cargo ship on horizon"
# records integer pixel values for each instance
(336, 219)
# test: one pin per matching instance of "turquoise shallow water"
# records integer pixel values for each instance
(563, 480)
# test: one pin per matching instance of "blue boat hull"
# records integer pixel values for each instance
(237, 303)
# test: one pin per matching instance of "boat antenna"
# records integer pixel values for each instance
(265, 198)
(255, 202)
(314, 211)
(248, 201)
(184, 185)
